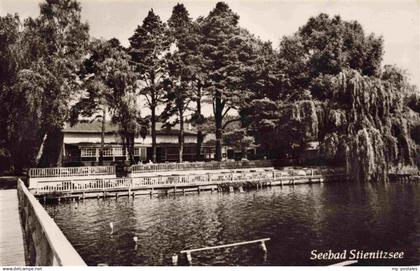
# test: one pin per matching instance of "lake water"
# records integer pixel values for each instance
(299, 219)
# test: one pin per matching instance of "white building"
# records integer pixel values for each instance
(81, 144)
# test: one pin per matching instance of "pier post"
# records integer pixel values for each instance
(263, 247)
(174, 259)
(135, 239)
(111, 226)
(189, 258)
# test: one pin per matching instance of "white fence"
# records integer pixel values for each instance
(103, 183)
(186, 166)
(46, 244)
(70, 171)
(192, 178)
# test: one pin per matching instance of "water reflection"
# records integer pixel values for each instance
(298, 219)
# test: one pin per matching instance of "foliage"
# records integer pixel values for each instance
(330, 87)
(239, 140)
(227, 49)
(323, 47)
(122, 80)
(369, 120)
(110, 82)
(179, 84)
(40, 64)
(148, 46)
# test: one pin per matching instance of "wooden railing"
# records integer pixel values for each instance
(70, 171)
(46, 244)
(192, 178)
(308, 172)
(186, 166)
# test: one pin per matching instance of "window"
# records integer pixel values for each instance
(118, 151)
(107, 152)
(88, 152)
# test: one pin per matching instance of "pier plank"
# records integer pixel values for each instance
(11, 238)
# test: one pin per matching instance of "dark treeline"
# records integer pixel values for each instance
(324, 83)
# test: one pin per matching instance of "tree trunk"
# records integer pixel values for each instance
(200, 136)
(101, 150)
(200, 139)
(153, 120)
(181, 138)
(124, 148)
(244, 152)
(52, 148)
(130, 144)
(218, 119)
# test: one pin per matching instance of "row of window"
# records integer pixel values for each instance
(118, 151)
(109, 152)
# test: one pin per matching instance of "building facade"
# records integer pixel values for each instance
(81, 145)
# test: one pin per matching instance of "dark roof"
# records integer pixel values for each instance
(110, 128)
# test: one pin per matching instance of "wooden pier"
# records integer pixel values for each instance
(45, 243)
(12, 252)
(177, 181)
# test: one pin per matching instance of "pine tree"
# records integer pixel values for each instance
(148, 47)
(108, 80)
(226, 49)
(180, 84)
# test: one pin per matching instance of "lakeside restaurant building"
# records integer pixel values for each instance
(81, 145)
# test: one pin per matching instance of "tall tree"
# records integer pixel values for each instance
(322, 48)
(181, 79)
(51, 48)
(226, 49)
(9, 63)
(148, 46)
(121, 79)
(63, 40)
(339, 95)
(200, 80)
(95, 77)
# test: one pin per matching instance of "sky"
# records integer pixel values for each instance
(398, 21)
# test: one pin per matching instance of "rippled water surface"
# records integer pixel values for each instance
(298, 219)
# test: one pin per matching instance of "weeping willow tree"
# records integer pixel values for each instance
(332, 88)
(366, 125)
